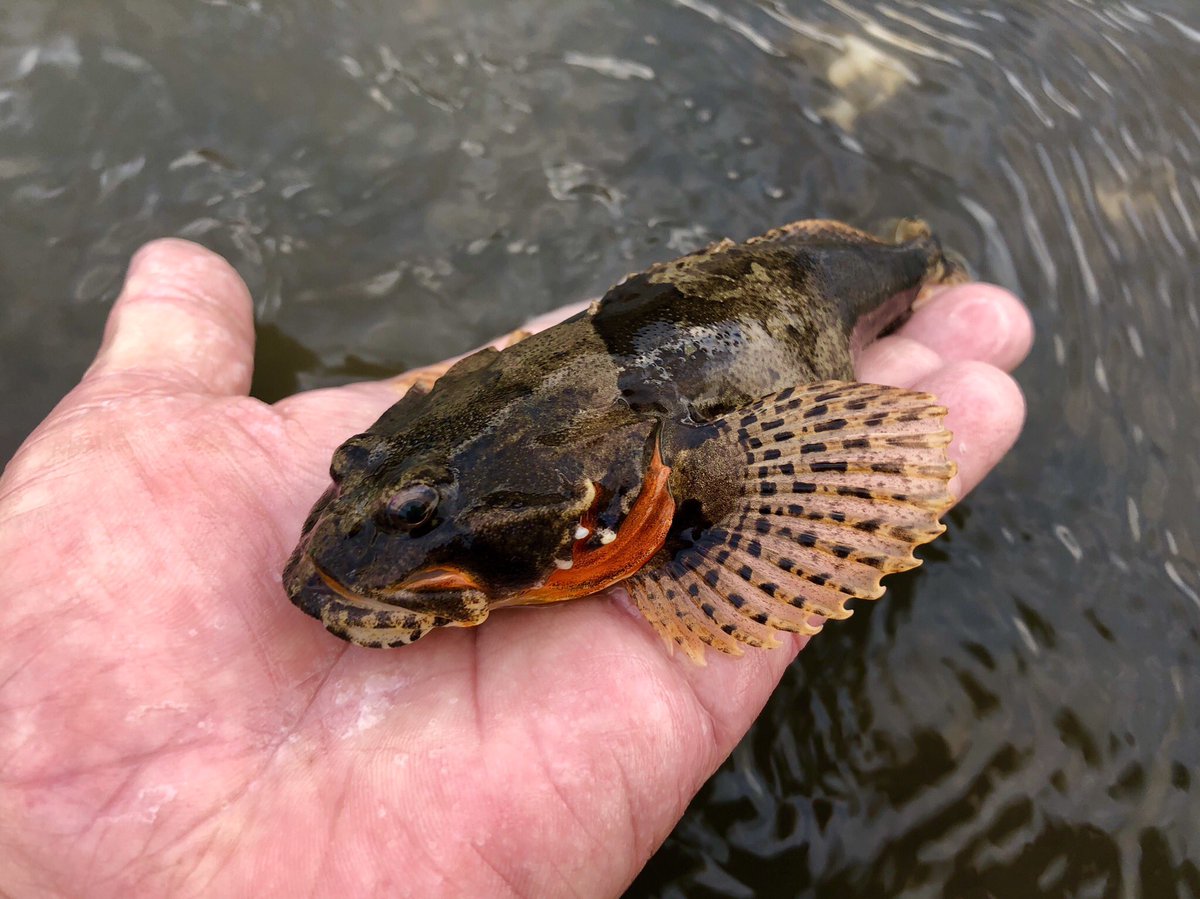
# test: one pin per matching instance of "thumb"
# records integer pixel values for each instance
(183, 323)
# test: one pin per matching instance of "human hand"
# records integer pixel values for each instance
(171, 725)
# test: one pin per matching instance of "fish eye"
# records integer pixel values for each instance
(409, 508)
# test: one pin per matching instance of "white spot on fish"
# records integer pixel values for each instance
(564, 564)
(589, 494)
(607, 536)
(581, 532)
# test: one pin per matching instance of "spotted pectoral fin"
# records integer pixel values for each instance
(839, 483)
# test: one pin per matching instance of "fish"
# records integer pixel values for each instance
(696, 437)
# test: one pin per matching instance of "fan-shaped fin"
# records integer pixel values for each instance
(841, 481)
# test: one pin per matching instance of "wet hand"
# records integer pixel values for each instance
(171, 725)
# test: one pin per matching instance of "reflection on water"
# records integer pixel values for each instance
(398, 182)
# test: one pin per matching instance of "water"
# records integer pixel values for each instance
(398, 182)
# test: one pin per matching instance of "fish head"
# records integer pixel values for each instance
(400, 544)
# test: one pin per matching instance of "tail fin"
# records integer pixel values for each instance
(872, 280)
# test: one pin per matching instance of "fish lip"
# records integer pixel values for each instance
(406, 595)
(428, 580)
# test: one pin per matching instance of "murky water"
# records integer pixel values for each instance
(398, 182)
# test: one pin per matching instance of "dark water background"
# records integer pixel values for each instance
(398, 182)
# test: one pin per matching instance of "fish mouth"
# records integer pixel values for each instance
(427, 599)
(434, 579)
(422, 581)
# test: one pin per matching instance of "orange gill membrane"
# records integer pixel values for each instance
(592, 568)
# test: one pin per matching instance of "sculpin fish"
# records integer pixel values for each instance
(696, 436)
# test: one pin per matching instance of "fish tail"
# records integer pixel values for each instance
(872, 282)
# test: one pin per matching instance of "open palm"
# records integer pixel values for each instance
(171, 725)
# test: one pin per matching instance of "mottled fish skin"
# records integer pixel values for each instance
(521, 445)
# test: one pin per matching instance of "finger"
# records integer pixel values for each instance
(532, 326)
(974, 321)
(183, 322)
(554, 316)
(897, 362)
(987, 410)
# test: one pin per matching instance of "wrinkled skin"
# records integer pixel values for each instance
(170, 726)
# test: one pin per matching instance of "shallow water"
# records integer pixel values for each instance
(399, 182)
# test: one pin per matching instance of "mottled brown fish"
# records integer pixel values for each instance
(696, 436)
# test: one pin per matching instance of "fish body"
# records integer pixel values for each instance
(695, 435)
